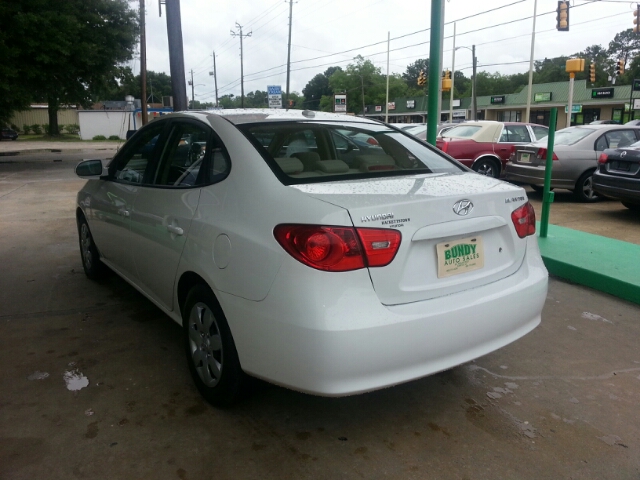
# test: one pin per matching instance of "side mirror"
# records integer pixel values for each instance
(89, 168)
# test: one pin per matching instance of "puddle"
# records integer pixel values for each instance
(75, 380)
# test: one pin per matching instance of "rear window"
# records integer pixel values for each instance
(462, 131)
(309, 152)
(569, 135)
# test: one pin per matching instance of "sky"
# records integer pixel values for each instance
(332, 32)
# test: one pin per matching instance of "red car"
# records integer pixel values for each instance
(485, 146)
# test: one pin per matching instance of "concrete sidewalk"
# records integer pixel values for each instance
(13, 148)
(602, 263)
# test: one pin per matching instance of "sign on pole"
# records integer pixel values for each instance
(275, 96)
(340, 103)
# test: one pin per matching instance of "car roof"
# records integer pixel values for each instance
(251, 115)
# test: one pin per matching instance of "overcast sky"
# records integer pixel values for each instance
(324, 29)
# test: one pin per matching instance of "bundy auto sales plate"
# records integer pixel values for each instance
(525, 157)
(460, 256)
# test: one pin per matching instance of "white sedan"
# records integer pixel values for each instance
(327, 270)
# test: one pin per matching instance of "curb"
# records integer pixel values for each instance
(601, 263)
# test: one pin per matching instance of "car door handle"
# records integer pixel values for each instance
(123, 212)
(175, 230)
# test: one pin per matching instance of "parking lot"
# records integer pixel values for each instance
(94, 383)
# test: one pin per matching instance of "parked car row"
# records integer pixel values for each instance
(8, 133)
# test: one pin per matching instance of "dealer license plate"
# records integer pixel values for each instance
(460, 256)
(525, 157)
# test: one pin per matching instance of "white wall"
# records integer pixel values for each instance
(104, 122)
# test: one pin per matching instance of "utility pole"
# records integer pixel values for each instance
(474, 96)
(143, 66)
(215, 76)
(533, 44)
(234, 34)
(176, 55)
(435, 52)
(192, 91)
(289, 50)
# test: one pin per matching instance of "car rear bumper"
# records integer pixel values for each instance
(625, 189)
(334, 345)
(533, 175)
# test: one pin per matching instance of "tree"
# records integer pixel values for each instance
(317, 87)
(65, 52)
(600, 56)
(158, 86)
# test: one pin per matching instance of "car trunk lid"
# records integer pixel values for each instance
(441, 251)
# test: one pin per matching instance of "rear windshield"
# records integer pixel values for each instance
(309, 152)
(462, 131)
(569, 135)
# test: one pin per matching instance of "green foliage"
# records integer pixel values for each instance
(37, 129)
(158, 85)
(317, 87)
(113, 137)
(45, 128)
(14, 127)
(26, 129)
(62, 52)
(99, 137)
(72, 128)
(410, 76)
(364, 79)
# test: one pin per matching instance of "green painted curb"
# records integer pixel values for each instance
(602, 263)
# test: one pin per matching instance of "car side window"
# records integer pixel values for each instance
(182, 156)
(616, 139)
(132, 165)
(540, 132)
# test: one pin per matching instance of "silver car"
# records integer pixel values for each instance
(575, 157)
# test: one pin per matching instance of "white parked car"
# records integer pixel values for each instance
(284, 261)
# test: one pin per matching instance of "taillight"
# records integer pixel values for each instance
(445, 146)
(338, 249)
(542, 154)
(603, 158)
(524, 219)
(512, 153)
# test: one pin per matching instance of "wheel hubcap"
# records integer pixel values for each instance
(205, 344)
(485, 169)
(587, 188)
(85, 245)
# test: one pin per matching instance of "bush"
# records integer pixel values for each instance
(99, 137)
(114, 137)
(37, 129)
(15, 127)
(26, 129)
(45, 128)
(73, 128)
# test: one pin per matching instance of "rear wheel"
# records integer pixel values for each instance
(211, 351)
(634, 207)
(488, 167)
(93, 267)
(584, 188)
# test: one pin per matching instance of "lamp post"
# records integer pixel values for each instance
(474, 109)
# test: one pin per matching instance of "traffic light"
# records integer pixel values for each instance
(620, 67)
(422, 80)
(562, 19)
(446, 81)
(636, 18)
(592, 72)
(292, 103)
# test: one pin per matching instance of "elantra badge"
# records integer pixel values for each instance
(462, 207)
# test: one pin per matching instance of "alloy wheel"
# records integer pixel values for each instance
(205, 344)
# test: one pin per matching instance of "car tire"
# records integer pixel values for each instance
(91, 263)
(210, 349)
(584, 188)
(488, 167)
(634, 207)
(539, 188)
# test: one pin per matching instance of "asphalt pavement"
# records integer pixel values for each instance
(93, 382)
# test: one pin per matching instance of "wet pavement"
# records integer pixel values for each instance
(93, 383)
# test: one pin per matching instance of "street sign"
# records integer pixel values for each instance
(340, 104)
(275, 96)
(574, 108)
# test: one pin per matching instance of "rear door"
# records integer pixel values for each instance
(164, 209)
(511, 135)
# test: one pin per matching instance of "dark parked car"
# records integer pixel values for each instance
(618, 175)
(9, 134)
